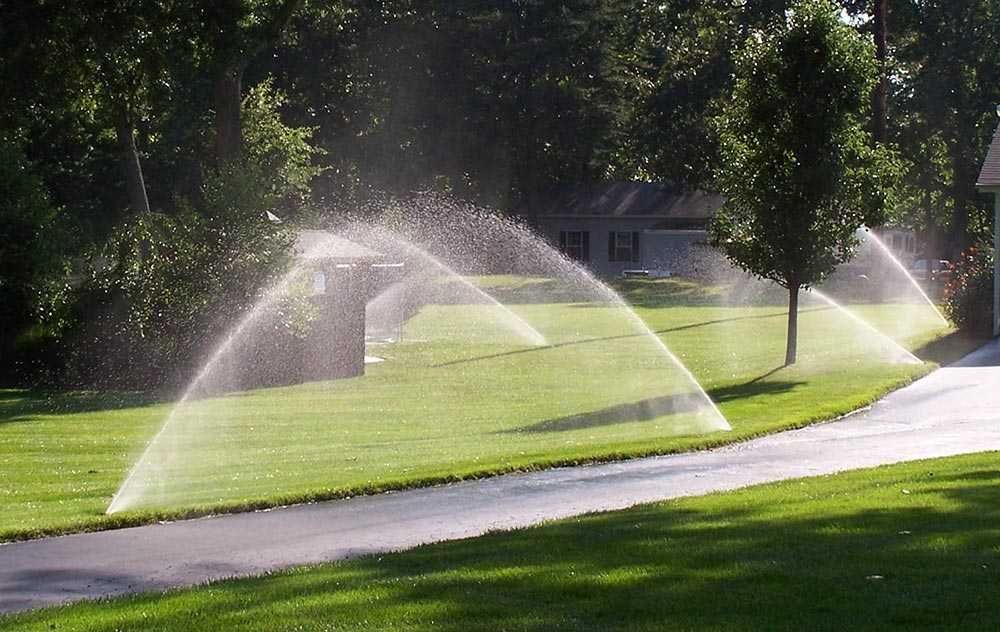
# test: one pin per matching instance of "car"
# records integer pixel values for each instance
(931, 270)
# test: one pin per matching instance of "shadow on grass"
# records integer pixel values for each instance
(803, 556)
(645, 410)
(572, 343)
(949, 348)
(19, 405)
(656, 407)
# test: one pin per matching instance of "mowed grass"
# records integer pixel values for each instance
(438, 410)
(912, 546)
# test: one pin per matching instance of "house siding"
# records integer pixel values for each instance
(661, 252)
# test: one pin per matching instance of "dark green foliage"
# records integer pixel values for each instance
(32, 248)
(946, 83)
(164, 287)
(491, 101)
(969, 293)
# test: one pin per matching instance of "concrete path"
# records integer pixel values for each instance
(955, 410)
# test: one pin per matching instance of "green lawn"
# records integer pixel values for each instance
(437, 410)
(913, 546)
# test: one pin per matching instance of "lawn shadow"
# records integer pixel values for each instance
(645, 410)
(637, 292)
(752, 388)
(787, 559)
(571, 343)
(950, 348)
(656, 407)
(20, 406)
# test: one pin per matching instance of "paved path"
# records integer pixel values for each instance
(955, 410)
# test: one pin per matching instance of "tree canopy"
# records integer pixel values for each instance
(141, 113)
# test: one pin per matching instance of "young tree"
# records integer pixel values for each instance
(800, 174)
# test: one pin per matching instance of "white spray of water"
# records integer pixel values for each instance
(511, 320)
(899, 354)
(899, 265)
(152, 481)
(717, 420)
(132, 488)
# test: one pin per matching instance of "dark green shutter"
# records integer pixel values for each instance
(635, 247)
(562, 241)
(586, 246)
(611, 246)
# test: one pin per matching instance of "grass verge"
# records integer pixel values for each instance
(435, 413)
(909, 546)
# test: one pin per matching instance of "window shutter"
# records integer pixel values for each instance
(611, 246)
(586, 246)
(562, 240)
(635, 247)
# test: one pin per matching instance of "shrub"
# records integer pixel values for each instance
(969, 293)
(163, 289)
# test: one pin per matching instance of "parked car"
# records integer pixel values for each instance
(931, 270)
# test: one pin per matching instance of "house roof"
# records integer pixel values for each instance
(320, 244)
(618, 199)
(989, 176)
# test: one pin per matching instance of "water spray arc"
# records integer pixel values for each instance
(900, 354)
(516, 323)
(875, 239)
(129, 488)
(424, 403)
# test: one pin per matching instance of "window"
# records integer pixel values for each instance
(575, 243)
(319, 283)
(623, 246)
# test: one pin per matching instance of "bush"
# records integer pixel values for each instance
(969, 293)
(163, 289)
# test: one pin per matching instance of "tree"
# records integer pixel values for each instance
(236, 31)
(800, 174)
(881, 86)
(947, 58)
(30, 243)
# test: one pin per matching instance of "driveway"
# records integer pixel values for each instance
(955, 410)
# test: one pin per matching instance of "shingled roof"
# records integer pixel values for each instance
(624, 199)
(989, 176)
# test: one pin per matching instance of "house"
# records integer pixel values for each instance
(902, 242)
(625, 226)
(989, 182)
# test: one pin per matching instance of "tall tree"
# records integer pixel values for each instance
(30, 248)
(879, 19)
(799, 173)
(235, 32)
(947, 55)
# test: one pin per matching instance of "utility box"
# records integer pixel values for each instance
(343, 281)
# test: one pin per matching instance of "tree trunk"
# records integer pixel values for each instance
(879, 133)
(964, 169)
(963, 197)
(792, 344)
(227, 95)
(134, 183)
(230, 62)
